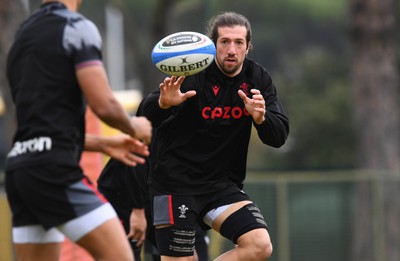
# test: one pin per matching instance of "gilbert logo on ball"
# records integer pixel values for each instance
(183, 53)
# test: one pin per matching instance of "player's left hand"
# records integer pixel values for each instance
(138, 226)
(254, 105)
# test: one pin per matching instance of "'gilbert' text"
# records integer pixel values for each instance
(186, 67)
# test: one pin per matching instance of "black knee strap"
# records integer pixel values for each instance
(242, 221)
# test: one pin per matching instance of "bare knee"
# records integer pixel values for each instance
(262, 249)
(257, 243)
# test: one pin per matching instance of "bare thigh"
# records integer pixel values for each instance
(216, 224)
(107, 242)
(38, 252)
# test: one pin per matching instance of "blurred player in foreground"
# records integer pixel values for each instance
(54, 68)
(199, 150)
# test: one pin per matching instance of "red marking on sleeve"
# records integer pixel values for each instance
(88, 63)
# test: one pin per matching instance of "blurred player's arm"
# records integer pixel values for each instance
(121, 147)
(95, 86)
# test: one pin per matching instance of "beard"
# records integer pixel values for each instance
(229, 70)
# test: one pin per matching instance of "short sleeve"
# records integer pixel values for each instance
(82, 42)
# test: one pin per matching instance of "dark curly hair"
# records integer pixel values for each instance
(228, 19)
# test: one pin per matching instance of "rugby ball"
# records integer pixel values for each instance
(183, 53)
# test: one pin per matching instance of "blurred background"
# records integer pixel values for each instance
(332, 192)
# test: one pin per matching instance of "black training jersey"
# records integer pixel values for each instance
(129, 183)
(49, 46)
(201, 145)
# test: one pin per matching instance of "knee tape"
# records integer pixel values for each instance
(175, 242)
(243, 220)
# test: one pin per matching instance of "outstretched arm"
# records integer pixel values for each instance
(170, 93)
(95, 87)
(159, 104)
(121, 147)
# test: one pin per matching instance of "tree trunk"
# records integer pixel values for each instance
(159, 28)
(11, 15)
(375, 83)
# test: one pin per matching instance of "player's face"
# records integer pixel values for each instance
(231, 49)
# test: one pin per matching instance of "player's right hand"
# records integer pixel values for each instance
(170, 93)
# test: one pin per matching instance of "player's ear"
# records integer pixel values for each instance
(249, 47)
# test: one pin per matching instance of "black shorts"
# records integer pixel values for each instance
(185, 214)
(187, 210)
(51, 195)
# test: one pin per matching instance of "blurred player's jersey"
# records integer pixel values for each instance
(49, 47)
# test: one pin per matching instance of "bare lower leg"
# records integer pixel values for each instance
(238, 253)
(183, 258)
